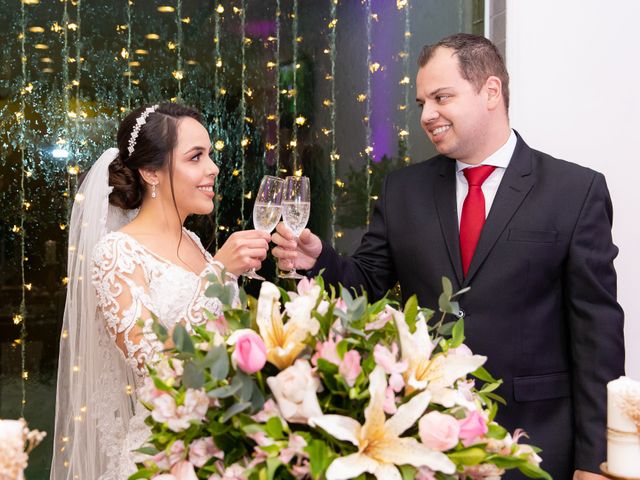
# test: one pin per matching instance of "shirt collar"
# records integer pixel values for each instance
(500, 158)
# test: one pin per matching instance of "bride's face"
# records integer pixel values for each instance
(194, 172)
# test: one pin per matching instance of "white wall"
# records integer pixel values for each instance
(575, 94)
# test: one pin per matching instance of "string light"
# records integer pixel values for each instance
(276, 117)
(178, 74)
(243, 107)
(19, 318)
(294, 93)
(403, 134)
(331, 102)
(137, 52)
(217, 92)
(368, 149)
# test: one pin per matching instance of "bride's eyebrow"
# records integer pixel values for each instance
(196, 148)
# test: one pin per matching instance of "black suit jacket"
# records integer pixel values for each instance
(542, 304)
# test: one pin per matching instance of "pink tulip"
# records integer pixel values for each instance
(439, 431)
(250, 353)
(472, 427)
(184, 470)
(350, 367)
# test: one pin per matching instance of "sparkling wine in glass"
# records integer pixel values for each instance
(266, 210)
(296, 206)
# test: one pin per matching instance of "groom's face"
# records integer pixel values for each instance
(453, 111)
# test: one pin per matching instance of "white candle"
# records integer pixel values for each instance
(623, 422)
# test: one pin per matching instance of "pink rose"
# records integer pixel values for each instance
(202, 450)
(472, 427)
(439, 431)
(183, 470)
(250, 353)
(350, 367)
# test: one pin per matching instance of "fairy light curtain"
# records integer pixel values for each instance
(322, 88)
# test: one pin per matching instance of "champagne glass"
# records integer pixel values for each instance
(266, 210)
(296, 206)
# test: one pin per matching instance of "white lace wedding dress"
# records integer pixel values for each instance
(132, 284)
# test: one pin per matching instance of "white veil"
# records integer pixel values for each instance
(94, 400)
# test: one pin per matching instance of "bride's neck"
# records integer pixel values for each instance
(156, 217)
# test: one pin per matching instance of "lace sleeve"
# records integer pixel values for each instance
(122, 286)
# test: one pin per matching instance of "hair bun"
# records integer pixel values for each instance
(127, 191)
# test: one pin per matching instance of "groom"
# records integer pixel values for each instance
(531, 236)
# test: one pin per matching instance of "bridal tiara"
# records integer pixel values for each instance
(140, 121)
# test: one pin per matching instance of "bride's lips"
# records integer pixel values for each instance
(206, 190)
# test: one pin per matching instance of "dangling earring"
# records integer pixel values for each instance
(153, 191)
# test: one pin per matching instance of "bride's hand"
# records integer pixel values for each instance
(243, 250)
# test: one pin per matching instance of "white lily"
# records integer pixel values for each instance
(380, 447)
(437, 373)
(284, 342)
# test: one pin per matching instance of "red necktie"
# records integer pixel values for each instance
(473, 213)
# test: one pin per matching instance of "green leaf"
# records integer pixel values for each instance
(496, 397)
(220, 367)
(503, 461)
(246, 391)
(482, 374)
(446, 329)
(273, 464)
(160, 331)
(496, 431)
(193, 375)
(160, 385)
(144, 473)
(146, 450)
(444, 302)
(226, 391)
(408, 472)
(411, 312)
(320, 457)
(533, 471)
(257, 400)
(457, 334)
(182, 340)
(447, 288)
(342, 348)
(468, 456)
(274, 429)
(234, 410)
(346, 296)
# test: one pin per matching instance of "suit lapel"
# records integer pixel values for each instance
(445, 200)
(514, 187)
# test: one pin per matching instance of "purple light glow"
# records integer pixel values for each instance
(384, 84)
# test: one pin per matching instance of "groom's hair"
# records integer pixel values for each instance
(478, 59)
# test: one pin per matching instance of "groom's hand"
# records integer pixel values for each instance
(302, 253)
(582, 475)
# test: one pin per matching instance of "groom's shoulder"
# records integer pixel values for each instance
(420, 171)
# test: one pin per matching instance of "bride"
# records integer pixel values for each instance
(130, 260)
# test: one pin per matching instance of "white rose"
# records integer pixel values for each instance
(295, 391)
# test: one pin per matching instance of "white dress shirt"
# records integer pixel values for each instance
(500, 159)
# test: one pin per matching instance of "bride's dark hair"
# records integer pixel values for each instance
(153, 150)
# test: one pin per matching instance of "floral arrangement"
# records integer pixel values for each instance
(311, 384)
(16, 442)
